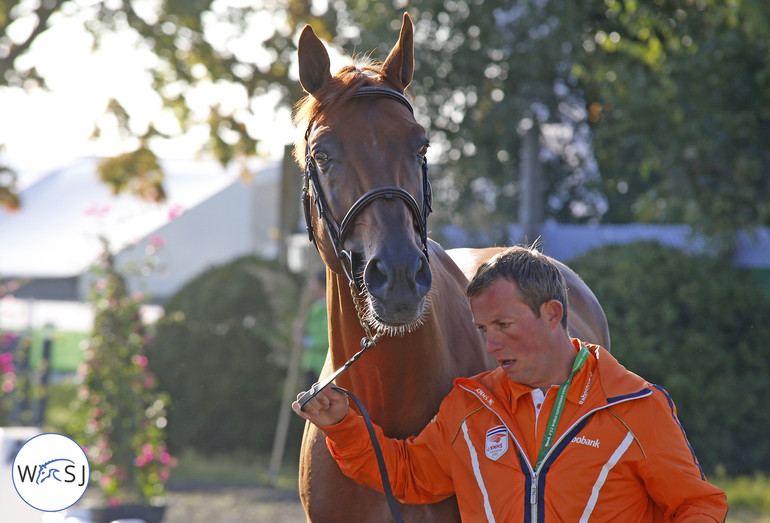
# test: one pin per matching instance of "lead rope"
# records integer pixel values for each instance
(367, 342)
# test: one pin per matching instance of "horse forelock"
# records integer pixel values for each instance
(342, 86)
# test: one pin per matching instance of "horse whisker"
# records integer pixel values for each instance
(377, 325)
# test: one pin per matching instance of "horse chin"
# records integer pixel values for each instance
(396, 325)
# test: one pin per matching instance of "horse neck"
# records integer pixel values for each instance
(403, 379)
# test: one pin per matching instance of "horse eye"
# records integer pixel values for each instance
(320, 157)
(423, 150)
(321, 160)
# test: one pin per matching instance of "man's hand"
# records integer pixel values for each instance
(328, 407)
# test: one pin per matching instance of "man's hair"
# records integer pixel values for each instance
(537, 276)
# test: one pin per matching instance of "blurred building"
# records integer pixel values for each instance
(212, 215)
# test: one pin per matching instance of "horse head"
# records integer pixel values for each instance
(367, 197)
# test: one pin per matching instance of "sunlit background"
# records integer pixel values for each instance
(631, 134)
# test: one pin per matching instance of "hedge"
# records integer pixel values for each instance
(220, 352)
(700, 329)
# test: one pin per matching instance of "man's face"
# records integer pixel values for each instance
(521, 342)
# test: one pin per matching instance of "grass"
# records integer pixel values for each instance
(58, 412)
(237, 468)
(748, 497)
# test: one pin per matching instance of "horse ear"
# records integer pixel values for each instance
(399, 66)
(313, 61)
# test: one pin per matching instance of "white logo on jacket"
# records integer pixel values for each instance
(483, 395)
(585, 441)
(497, 442)
(585, 392)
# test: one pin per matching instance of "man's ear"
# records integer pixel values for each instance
(552, 311)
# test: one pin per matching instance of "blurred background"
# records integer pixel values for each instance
(149, 207)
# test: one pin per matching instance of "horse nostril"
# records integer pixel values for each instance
(423, 278)
(376, 277)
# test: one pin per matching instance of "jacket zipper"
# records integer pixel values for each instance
(534, 474)
(533, 499)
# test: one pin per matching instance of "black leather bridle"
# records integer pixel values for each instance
(337, 230)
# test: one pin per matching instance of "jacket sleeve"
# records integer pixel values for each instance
(418, 467)
(671, 473)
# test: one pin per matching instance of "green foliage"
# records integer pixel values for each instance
(699, 329)
(8, 197)
(121, 419)
(750, 493)
(17, 391)
(652, 111)
(218, 353)
(681, 97)
(482, 71)
(62, 396)
(233, 468)
(137, 171)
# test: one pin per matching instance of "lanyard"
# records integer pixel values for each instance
(553, 421)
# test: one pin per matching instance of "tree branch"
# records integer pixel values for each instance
(44, 14)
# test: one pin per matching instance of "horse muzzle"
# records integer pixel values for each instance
(397, 282)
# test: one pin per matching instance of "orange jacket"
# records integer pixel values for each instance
(620, 453)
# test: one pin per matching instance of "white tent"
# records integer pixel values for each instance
(211, 216)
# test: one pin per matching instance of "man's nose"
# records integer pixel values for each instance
(492, 343)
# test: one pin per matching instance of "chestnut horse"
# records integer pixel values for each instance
(367, 199)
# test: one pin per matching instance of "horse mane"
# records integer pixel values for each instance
(341, 87)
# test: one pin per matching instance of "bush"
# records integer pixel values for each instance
(218, 353)
(698, 328)
(120, 418)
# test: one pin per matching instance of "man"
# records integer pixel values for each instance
(316, 339)
(560, 431)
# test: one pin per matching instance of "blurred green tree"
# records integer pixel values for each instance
(698, 328)
(653, 111)
(679, 101)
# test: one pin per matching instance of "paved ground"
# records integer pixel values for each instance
(233, 505)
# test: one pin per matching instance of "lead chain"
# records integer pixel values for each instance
(369, 340)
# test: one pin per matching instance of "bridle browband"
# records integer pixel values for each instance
(337, 230)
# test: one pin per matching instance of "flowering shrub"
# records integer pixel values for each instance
(7, 367)
(15, 392)
(124, 417)
(7, 377)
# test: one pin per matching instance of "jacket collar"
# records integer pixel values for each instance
(601, 378)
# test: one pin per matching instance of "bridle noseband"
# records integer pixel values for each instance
(338, 230)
